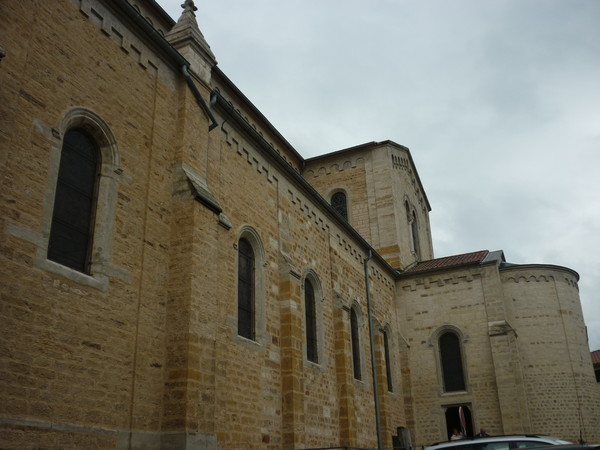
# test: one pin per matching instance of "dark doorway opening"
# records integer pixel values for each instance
(402, 440)
(453, 420)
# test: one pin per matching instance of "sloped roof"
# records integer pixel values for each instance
(448, 262)
(596, 357)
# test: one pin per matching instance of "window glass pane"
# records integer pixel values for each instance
(415, 234)
(355, 344)
(451, 359)
(245, 289)
(338, 202)
(310, 319)
(74, 202)
(388, 368)
(497, 446)
(466, 447)
(528, 444)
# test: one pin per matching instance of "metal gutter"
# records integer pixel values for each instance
(230, 85)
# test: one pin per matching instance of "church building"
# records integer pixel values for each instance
(175, 275)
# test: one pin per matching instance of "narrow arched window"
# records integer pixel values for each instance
(71, 231)
(339, 203)
(355, 344)
(246, 288)
(415, 234)
(451, 361)
(388, 366)
(310, 322)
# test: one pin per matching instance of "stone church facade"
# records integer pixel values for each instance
(175, 275)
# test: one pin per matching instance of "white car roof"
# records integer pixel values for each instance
(550, 440)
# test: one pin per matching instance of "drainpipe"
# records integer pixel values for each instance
(372, 342)
(198, 96)
(125, 7)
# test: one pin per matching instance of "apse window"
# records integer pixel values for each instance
(451, 362)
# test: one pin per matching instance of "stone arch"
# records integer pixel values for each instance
(452, 374)
(338, 199)
(92, 124)
(311, 276)
(249, 234)
(110, 174)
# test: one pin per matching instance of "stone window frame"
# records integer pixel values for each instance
(320, 333)
(110, 175)
(434, 342)
(248, 233)
(335, 192)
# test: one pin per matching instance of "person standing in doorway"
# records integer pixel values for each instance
(456, 435)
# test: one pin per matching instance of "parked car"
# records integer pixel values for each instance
(500, 443)
(571, 447)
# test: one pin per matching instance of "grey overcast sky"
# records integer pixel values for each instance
(498, 101)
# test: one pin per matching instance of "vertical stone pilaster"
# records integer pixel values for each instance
(512, 395)
(384, 415)
(344, 376)
(292, 359)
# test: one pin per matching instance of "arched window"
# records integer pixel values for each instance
(310, 322)
(339, 203)
(72, 226)
(415, 234)
(355, 344)
(388, 366)
(451, 362)
(413, 229)
(246, 289)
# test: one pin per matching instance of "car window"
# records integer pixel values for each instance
(527, 444)
(468, 446)
(496, 446)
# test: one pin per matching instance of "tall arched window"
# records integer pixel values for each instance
(339, 203)
(246, 289)
(310, 322)
(355, 344)
(451, 361)
(414, 230)
(388, 363)
(72, 226)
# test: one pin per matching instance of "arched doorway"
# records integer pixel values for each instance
(453, 420)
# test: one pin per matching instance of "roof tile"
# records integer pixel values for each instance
(448, 261)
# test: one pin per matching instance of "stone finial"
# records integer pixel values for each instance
(188, 6)
(187, 38)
